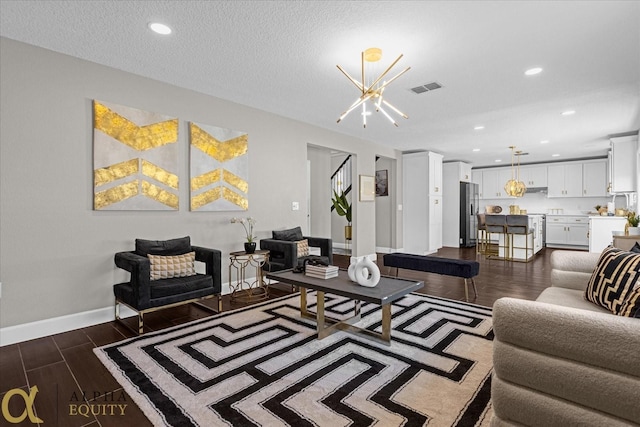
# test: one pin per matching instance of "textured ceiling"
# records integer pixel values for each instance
(281, 56)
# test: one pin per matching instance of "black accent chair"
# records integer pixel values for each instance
(145, 295)
(283, 249)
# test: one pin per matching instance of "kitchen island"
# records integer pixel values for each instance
(521, 247)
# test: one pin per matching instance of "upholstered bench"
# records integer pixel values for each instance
(431, 264)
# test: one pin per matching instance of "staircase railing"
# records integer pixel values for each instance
(341, 178)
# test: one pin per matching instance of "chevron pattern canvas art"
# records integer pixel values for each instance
(219, 168)
(135, 159)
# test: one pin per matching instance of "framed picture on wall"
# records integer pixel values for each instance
(382, 183)
(367, 188)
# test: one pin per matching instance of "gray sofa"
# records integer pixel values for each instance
(563, 361)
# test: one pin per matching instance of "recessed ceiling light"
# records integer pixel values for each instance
(498, 160)
(545, 141)
(159, 28)
(555, 155)
(478, 127)
(533, 71)
(476, 149)
(568, 112)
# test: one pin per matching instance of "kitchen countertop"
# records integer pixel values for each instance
(568, 214)
(607, 217)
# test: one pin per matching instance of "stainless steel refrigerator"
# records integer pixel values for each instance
(469, 201)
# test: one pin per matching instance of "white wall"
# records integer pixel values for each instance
(451, 205)
(56, 253)
(320, 161)
(385, 207)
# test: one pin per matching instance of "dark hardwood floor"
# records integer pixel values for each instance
(63, 366)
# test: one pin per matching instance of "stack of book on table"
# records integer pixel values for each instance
(321, 271)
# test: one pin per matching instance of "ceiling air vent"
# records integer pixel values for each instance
(426, 87)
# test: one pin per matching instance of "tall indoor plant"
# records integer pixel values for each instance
(343, 208)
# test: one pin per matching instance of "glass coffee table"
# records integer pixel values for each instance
(383, 294)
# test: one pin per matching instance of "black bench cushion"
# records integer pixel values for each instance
(431, 264)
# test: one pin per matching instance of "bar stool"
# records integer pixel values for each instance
(497, 224)
(519, 225)
(481, 234)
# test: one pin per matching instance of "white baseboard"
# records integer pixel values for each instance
(383, 250)
(57, 325)
(339, 245)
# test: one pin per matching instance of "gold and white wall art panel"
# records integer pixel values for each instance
(219, 166)
(135, 159)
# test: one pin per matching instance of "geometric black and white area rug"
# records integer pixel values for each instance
(264, 366)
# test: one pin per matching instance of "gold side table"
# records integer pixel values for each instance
(248, 289)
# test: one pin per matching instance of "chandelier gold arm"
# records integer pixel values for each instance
(355, 105)
(395, 109)
(384, 73)
(379, 102)
(385, 84)
(354, 81)
(363, 80)
(388, 116)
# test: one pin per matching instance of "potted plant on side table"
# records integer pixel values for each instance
(249, 245)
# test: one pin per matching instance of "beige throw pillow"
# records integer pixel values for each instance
(165, 267)
(303, 248)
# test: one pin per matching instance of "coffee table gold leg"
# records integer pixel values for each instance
(303, 302)
(386, 323)
(320, 315)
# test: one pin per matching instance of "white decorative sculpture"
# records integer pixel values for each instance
(364, 271)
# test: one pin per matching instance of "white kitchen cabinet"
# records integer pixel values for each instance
(465, 171)
(567, 231)
(422, 212)
(594, 178)
(564, 180)
(601, 230)
(624, 164)
(435, 174)
(435, 223)
(534, 176)
(458, 171)
(493, 181)
(476, 177)
(578, 234)
(556, 234)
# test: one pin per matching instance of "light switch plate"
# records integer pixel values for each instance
(295, 206)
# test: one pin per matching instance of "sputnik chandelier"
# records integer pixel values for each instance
(374, 89)
(514, 187)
